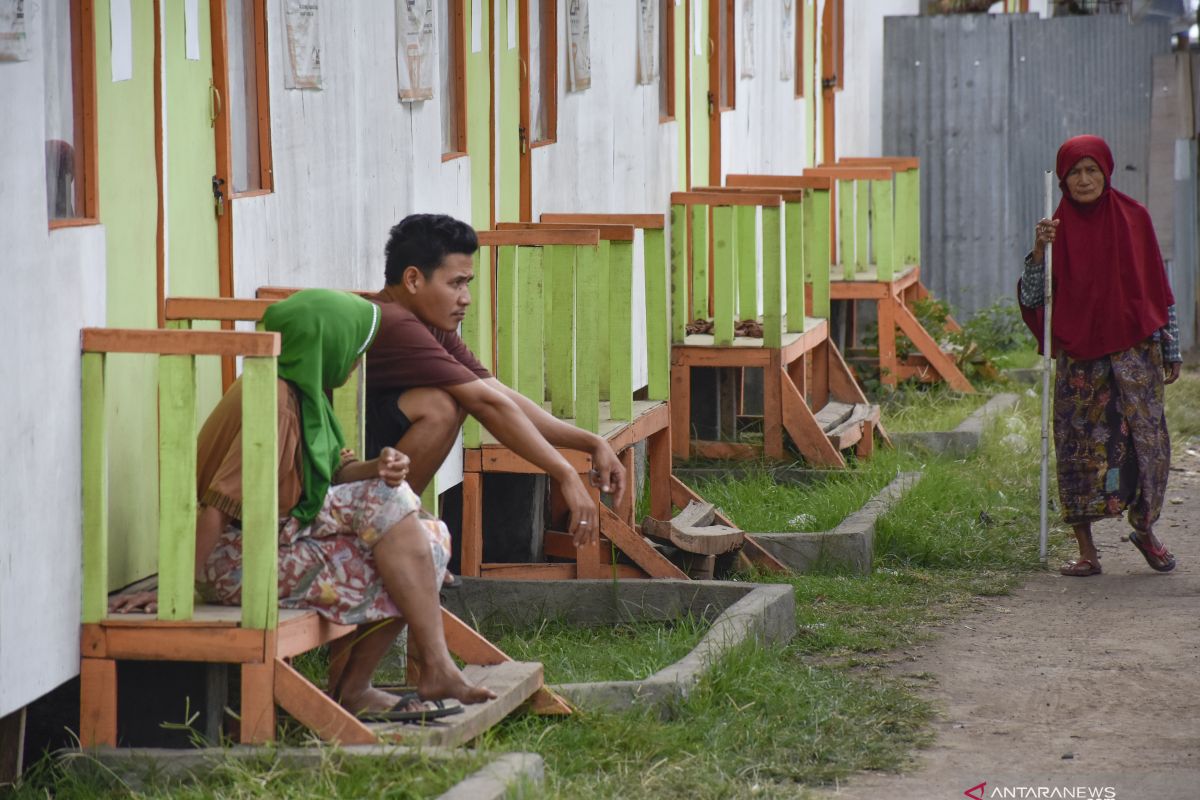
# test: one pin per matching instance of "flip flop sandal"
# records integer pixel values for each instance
(1159, 559)
(400, 712)
(1080, 569)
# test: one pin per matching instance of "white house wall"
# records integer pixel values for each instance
(53, 286)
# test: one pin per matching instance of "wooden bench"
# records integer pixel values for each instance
(258, 636)
(802, 370)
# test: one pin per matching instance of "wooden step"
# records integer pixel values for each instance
(833, 415)
(850, 431)
(514, 682)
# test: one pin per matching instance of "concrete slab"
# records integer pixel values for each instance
(512, 776)
(965, 438)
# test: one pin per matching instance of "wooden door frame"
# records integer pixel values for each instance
(715, 109)
(833, 53)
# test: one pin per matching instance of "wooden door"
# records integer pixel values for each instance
(701, 107)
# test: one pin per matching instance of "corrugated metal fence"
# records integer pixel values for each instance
(985, 101)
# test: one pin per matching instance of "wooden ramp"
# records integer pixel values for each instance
(514, 683)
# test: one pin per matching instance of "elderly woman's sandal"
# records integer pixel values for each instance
(1158, 557)
(1080, 569)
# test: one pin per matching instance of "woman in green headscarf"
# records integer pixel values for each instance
(353, 545)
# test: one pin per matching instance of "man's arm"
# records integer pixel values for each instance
(506, 421)
(607, 473)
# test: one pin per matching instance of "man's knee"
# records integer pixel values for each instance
(431, 406)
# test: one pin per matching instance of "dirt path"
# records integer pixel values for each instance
(1071, 683)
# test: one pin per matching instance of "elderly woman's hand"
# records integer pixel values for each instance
(1043, 234)
(1171, 371)
(393, 466)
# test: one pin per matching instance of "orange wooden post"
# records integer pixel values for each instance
(97, 702)
(773, 407)
(258, 695)
(629, 501)
(887, 340)
(658, 469)
(681, 410)
(590, 559)
(471, 546)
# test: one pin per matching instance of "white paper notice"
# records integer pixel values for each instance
(191, 29)
(512, 24)
(697, 34)
(120, 18)
(476, 26)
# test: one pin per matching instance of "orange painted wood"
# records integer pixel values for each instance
(258, 698)
(590, 559)
(608, 233)
(773, 408)
(850, 172)
(788, 195)
(469, 644)
(819, 386)
(473, 460)
(547, 572)
(681, 409)
(896, 163)
(179, 342)
(92, 642)
(97, 702)
(146, 642)
(797, 371)
(842, 385)
(928, 347)
(805, 431)
(682, 494)
(652, 221)
(633, 545)
(658, 473)
(816, 182)
(217, 308)
(724, 199)
(557, 544)
(316, 710)
(859, 290)
(866, 445)
(494, 458)
(707, 356)
(625, 509)
(886, 309)
(726, 451)
(301, 634)
(539, 238)
(646, 425)
(809, 341)
(472, 524)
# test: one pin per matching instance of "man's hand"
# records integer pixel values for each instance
(392, 466)
(143, 602)
(607, 474)
(584, 525)
(1171, 371)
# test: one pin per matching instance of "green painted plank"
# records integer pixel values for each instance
(260, 488)
(95, 490)
(679, 273)
(793, 244)
(908, 217)
(846, 240)
(915, 191)
(560, 326)
(429, 497)
(506, 314)
(862, 224)
(531, 348)
(176, 486)
(724, 274)
(589, 277)
(603, 357)
(658, 338)
(747, 261)
(772, 265)
(620, 331)
(349, 407)
(817, 249)
(883, 229)
(700, 262)
(476, 329)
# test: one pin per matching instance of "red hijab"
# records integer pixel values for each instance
(1110, 285)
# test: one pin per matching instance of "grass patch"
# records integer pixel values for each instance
(933, 409)
(1183, 410)
(1017, 359)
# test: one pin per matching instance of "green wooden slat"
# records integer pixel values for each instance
(429, 497)
(862, 224)
(724, 274)
(531, 350)
(793, 242)
(260, 489)
(506, 314)
(658, 338)
(349, 406)
(747, 261)
(603, 357)
(700, 262)
(179, 324)
(620, 331)
(477, 332)
(560, 326)
(916, 204)
(908, 217)
(589, 270)
(883, 229)
(817, 249)
(95, 490)
(176, 486)
(772, 265)
(680, 307)
(846, 240)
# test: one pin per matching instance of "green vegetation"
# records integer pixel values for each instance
(934, 409)
(1183, 410)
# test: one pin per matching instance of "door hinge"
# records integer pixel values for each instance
(712, 106)
(830, 82)
(218, 195)
(523, 136)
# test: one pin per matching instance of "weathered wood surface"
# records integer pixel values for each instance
(692, 530)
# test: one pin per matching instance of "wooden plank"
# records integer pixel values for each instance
(94, 470)
(506, 311)
(845, 223)
(701, 240)
(746, 256)
(608, 232)
(773, 408)
(514, 682)
(883, 229)
(817, 250)
(928, 347)
(850, 172)
(818, 182)
(97, 703)
(679, 305)
(794, 278)
(316, 710)
(601, 300)
(682, 494)
(625, 509)
(556, 544)
(681, 410)
(636, 548)
(725, 199)
(588, 344)
(862, 217)
(176, 486)
(784, 194)
(591, 558)
(644, 221)
(216, 644)
(561, 329)
(541, 237)
(546, 572)
(841, 383)
(299, 634)
(724, 274)
(12, 746)
(260, 506)
(349, 406)
(499, 459)
(179, 342)
(620, 331)
(476, 332)
(658, 472)
(833, 414)
(468, 644)
(258, 698)
(886, 316)
(215, 308)
(802, 426)
(658, 305)
(772, 268)
(472, 524)
(895, 163)
(530, 324)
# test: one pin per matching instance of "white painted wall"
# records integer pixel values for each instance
(53, 286)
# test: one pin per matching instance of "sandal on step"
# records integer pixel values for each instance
(1159, 558)
(404, 711)
(1080, 569)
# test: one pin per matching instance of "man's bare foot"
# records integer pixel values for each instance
(371, 699)
(449, 683)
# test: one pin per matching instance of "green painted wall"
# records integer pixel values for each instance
(812, 89)
(127, 192)
(699, 88)
(508, 98)
(681, 88)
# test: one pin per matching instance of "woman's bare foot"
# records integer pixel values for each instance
(370, 699)
(447, 682)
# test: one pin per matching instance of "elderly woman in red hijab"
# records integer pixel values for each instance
(1116, 340)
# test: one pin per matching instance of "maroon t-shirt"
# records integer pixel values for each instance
(408, 354)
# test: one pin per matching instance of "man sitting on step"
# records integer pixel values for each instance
(422, 380)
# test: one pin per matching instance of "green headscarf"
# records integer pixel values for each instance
(322, 334)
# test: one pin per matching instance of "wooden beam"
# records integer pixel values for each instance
(215, 308)
(725, 199)
(608, 233)
(97, 702)
(179, 342)
(316, 710)
(929, 348)
(631, 544)
(539, 238)
(750, 181)
(800, 423)
(652, 221)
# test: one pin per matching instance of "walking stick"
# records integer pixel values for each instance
(1048, 260)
